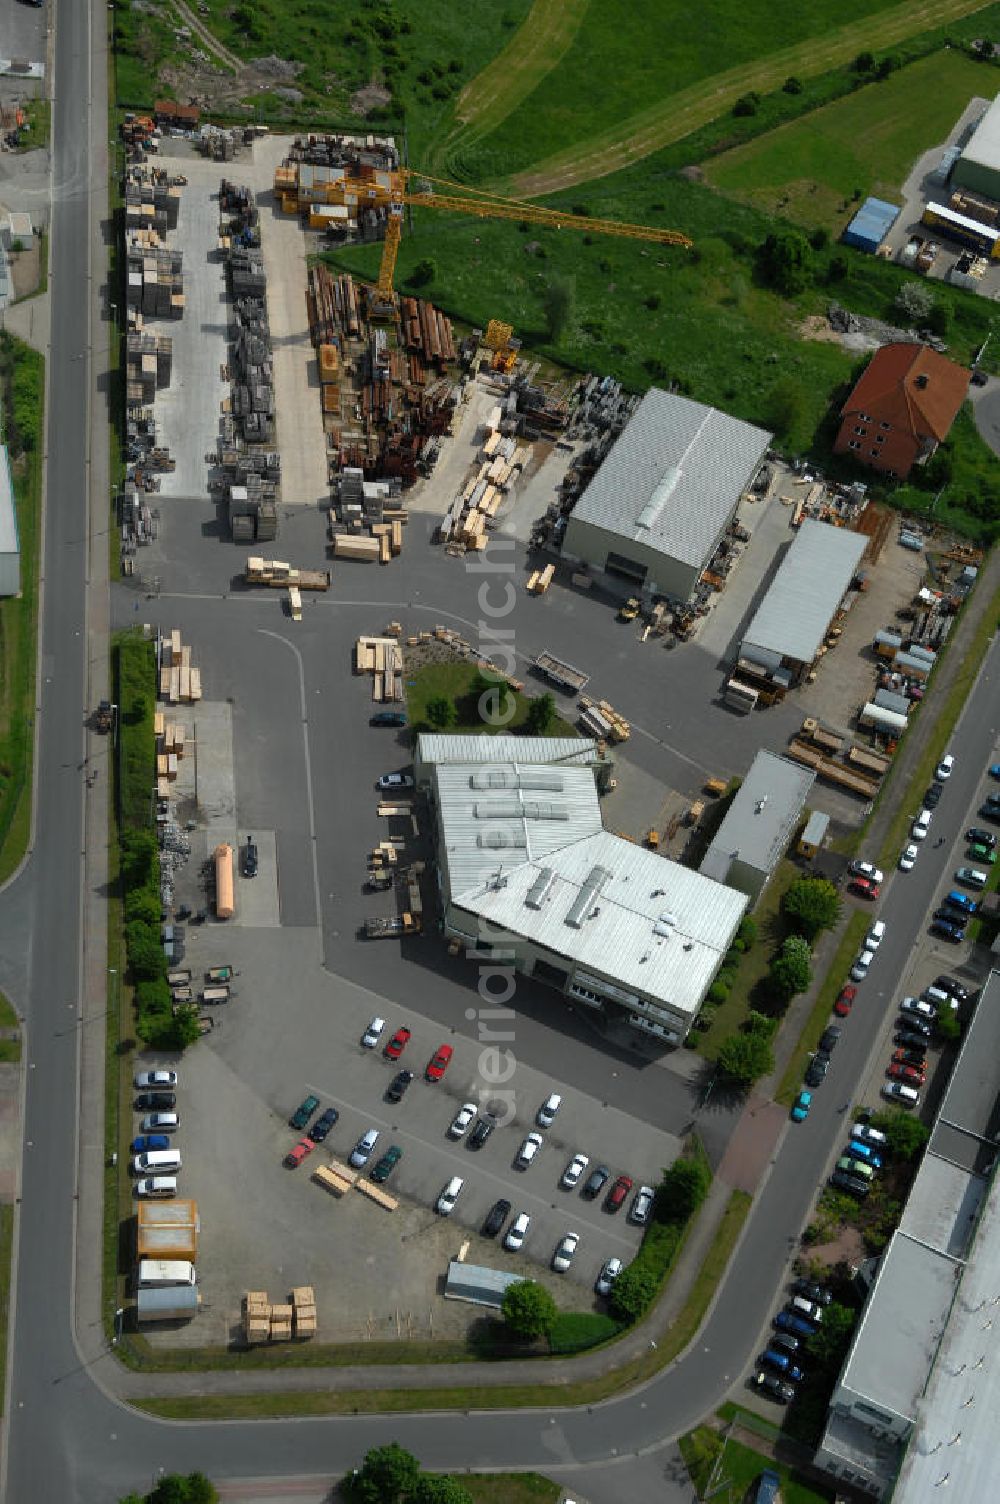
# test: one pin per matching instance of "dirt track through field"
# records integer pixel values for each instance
(188, 18)
(678, 115)
(537, 46)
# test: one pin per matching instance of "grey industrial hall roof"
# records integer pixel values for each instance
(983, 146)
(674, 476)
(567, 750)
(811, 582)
(759, 822)
(8, 515)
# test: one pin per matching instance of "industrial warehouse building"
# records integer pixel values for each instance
(659, 505)
(10, 547)
(530, 878)
(759, 824)
(978, 166)
(914, 1411)
(789, 626)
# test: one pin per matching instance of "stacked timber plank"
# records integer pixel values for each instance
(180, 681)
(281, 576)
(304, 1311)
(170, 743)
(264, 1321)
(382, 657)
(602, 721)
(472, 514)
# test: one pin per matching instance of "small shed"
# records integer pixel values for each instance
(10, 543)
(812, 838)
(478, 1284)
(871, 225)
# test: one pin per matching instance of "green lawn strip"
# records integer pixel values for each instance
(668, 119)
(117, 1206)
(867, 142)
(819, 1016)
(946, 700)
(6, 1252)
(453, 681)
(615, 1380)
(138, 1354)
(740, 1467)
(22, 374)
(10, 1049)
(508, 1488)
(39, 118)
(730, 1014)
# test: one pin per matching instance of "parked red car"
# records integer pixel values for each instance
(845, 1001)
(865, 888)
(397, 1044)
(618, 1193)
(295, 1156)
(438, 1063)
(907, 1073)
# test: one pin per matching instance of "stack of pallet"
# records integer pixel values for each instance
(256, 1316)
(602, 721)
(281, 1322)
(170, 739)
(179, 681)
(382, 657)
(539, 580)
(304, 1311)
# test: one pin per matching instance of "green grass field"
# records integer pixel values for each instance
(739, 1467)
(809, 170)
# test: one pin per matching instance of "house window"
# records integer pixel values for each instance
(874, 453)
(880, 438)
(861, 431)
(853, 444)
(883, 424)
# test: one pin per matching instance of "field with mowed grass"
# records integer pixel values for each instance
(620, 64)
(812, 169)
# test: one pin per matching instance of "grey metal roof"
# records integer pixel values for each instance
(656, 929)
(813, 578)
(758, 824)
(983, 146)
(8, 516)
(478, 1283)
(674, 476)
(432, 748)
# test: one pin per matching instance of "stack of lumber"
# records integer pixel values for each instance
(304, 1311)
(281, 1322)
(603, 721)
(256, 1316)
(179, 680)
(334, 1177)
(170, 738)
(382, 657)
(540, 579)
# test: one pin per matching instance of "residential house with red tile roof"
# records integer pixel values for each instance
(901, 409)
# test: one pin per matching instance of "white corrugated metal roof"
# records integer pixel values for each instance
(652, 926)
(758, 824)
(793, 616)
(581, 751)
(983, 146)
(8, 516)
(674, 476)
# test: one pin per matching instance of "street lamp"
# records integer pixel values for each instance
(119, 1318)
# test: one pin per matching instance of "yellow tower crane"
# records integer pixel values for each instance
(460, 199)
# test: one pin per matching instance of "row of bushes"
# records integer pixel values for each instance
(745, 938)
(679, 1195)
(156, 1023)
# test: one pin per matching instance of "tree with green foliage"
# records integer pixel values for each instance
(761, 1024)
(145, 950)
(811, 904)
(789, 971)
(827, 1347)
(906, 1135)
(388, 1475)
(682, 1190)
(140, 860)
(947, 1023)
(864, 62)
(441, 712)
(792, 85)
(744, 1058)
(748, 931)
(438, 1488)
(558, 304)
(541, 714)
(785, 261)
(747, 104)
(633, 1292)
(143, 905)
(178, 1488)
(783, 406)
(528, 1310)
(937, 320)
(915, 300)
(423, 273)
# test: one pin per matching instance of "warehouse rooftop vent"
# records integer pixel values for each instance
(921, 380)
(650, 514)
(665, 924)
(493, 778)
(497, 809)
(543, 809)
(496, 840)
(540, 889)
(581, 907)
(540, 778)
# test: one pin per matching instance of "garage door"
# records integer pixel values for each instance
(627, 568)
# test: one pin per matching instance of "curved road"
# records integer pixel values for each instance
(67, 1437)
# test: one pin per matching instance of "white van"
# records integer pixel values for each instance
(160, 1122)
(906, 1096)
(157, 1162)
(162, 1272)
(161, 1187)
(921, 825)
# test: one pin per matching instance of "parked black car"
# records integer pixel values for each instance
(955, 989)
(853, 1184)
(398, 1085)
(595, 1183)
(495, 1218)
(156, 1101)
(480, 1133)
(322, 1125)
(818, 1067)
(831, 1035)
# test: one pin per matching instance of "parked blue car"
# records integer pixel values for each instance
(147, 1142)
(865, 1152)
(957, 900)
(786, 1322)
(771, 1358)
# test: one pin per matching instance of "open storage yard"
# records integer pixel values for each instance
(406, 491)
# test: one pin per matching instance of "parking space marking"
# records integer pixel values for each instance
(508, 1190)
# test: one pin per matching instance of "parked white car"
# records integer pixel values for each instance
(373, 1033)
(445, 1204)
(865, 869)
(462, 1119)
(155, 1080)
(921, 825)
(573, 1171)
(517, 1232)
(861, 966)
(528, 1150)
(908, 857)
(875, 935)
(565, 1252)
(547, 1112)
(944, 767)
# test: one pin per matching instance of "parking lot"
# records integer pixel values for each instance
(285, 752)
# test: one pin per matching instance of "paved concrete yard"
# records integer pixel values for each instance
(188, 411)
(293, 1029)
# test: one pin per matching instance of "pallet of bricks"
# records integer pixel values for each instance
(382, 657)
(180, 681)
(170, 744)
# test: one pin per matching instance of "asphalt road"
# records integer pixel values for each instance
(67, 1437)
